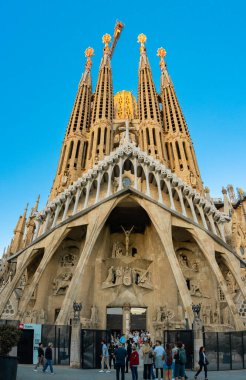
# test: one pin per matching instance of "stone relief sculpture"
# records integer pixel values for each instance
(187, 264)
(231, 283)
(61, 283)
(94, 316)
(163, 314)
(117, 250)
(195, 289)
(127, 276)
(68, 260)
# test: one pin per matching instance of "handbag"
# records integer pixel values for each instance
(151, 355)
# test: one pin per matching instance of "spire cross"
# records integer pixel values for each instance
(161, 52)
(142, 39)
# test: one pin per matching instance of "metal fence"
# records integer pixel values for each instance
(225, 350)
(60, 337)
(91, 347)
(184, 336)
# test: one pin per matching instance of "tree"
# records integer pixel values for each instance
(9, 337)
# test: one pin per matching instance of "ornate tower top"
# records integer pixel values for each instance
(89, 52)
(178, 145)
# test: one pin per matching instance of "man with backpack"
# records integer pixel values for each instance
(180, 361)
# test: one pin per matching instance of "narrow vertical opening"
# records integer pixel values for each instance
(98, 136)
(92, 141)
(77, 150)
(84, 154)
(178, 150)
(147, 135)
(62, 159)
(185, 152)
(70, 150)
(154, 137)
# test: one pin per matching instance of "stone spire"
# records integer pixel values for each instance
(17, 241)
(178, 144)
(73, 156)
(150, 128)
(103, 107)
(30, 224)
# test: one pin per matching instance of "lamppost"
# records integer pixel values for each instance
(77, 307)
(196, 310)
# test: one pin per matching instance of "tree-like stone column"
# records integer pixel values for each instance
(75, 337)
(197, 332)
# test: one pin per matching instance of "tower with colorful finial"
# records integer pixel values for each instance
(179, 148)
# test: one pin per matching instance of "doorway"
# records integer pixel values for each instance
(25, 347)
(115, 320)
(138, 318)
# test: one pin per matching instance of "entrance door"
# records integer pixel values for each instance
(138, 318)
(115, 320)
(25, 347)
(91, 348)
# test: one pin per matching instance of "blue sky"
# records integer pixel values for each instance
(42, 58)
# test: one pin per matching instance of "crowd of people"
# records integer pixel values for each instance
(159, 362)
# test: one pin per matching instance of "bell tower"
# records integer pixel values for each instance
(178, 144)
(103, 108)
(75, 145)
(150, 126)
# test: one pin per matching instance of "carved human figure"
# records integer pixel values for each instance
(61, 283)
(94, 315)
(195, 289)
(183, 259)
(117, 250)
(67, 260)
(127, 238)
(127, 278)
(159, 313)
(230, 282)
(118, 275)
(111, 276)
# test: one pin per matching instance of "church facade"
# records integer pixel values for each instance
(129, 230)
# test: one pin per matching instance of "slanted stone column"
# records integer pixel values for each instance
(197, 332)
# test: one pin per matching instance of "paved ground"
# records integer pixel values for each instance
(25, 372)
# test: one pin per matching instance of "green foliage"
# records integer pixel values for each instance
(9, 337)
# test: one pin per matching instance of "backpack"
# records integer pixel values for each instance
(181, 356)
(169, 360)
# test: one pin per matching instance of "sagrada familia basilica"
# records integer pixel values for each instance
(129, 230)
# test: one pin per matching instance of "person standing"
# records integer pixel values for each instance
(105, 357)
(203, 363)
(159, 355)
(148, 356)
(180, 360)
(111, 355)
(134, 362)
(120, 361)
(48, 356)
(128, 354)
(168, 362)
(40, 356)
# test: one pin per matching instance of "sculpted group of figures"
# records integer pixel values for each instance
(127, 276)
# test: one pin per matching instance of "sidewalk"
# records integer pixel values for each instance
(25, 372)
